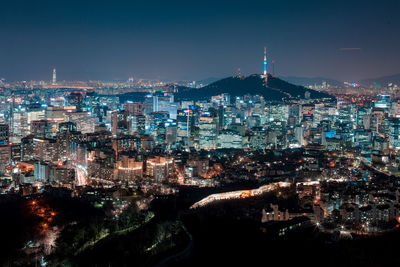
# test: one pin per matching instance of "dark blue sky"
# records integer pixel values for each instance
(197, 39)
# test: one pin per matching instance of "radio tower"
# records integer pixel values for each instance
(265, 66)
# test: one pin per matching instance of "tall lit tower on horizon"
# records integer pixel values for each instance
(54, 76)
(265, 66)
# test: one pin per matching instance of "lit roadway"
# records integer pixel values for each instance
(239, 194)
(369, 164)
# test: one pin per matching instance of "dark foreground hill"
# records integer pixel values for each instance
(276, 90)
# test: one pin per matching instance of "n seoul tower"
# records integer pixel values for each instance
(265, 66)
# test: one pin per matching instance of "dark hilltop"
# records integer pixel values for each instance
(276, 90)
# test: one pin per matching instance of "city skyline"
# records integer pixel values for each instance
(190, 133)
(175, 41)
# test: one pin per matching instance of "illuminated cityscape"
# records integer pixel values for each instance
(130, 157)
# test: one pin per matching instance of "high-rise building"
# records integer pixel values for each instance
(134, 108)
(59, 175)
(65, 127)
(75, 99)
(257, 138)
(41, 128)
(208, 133)
(383, 102)
(27, 148)
(227, 115)
(41, 172)
(85, 121)
(394, 132)
(147, 142)
(120, 123)
(54, 77)
(361, 113)
(15, 152)
(55, 114)
(184, 125)
(4, 134)
(148, 104)
(129, 169)
(299, 135)
(35, 112)
(19, 125)
(45, 150)
(162, 102)
(159, 167)
(138, 124)
(5, 157)
(229, 139)
(170, 132)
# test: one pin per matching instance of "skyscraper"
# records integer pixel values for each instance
(75, 99)
(54, 77)
(208, 131)
(4, 134)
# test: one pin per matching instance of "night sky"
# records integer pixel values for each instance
(197, 39)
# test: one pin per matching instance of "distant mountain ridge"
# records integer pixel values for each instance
(208, 80)
(382, 81)
(276, 90)
(306, 81)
